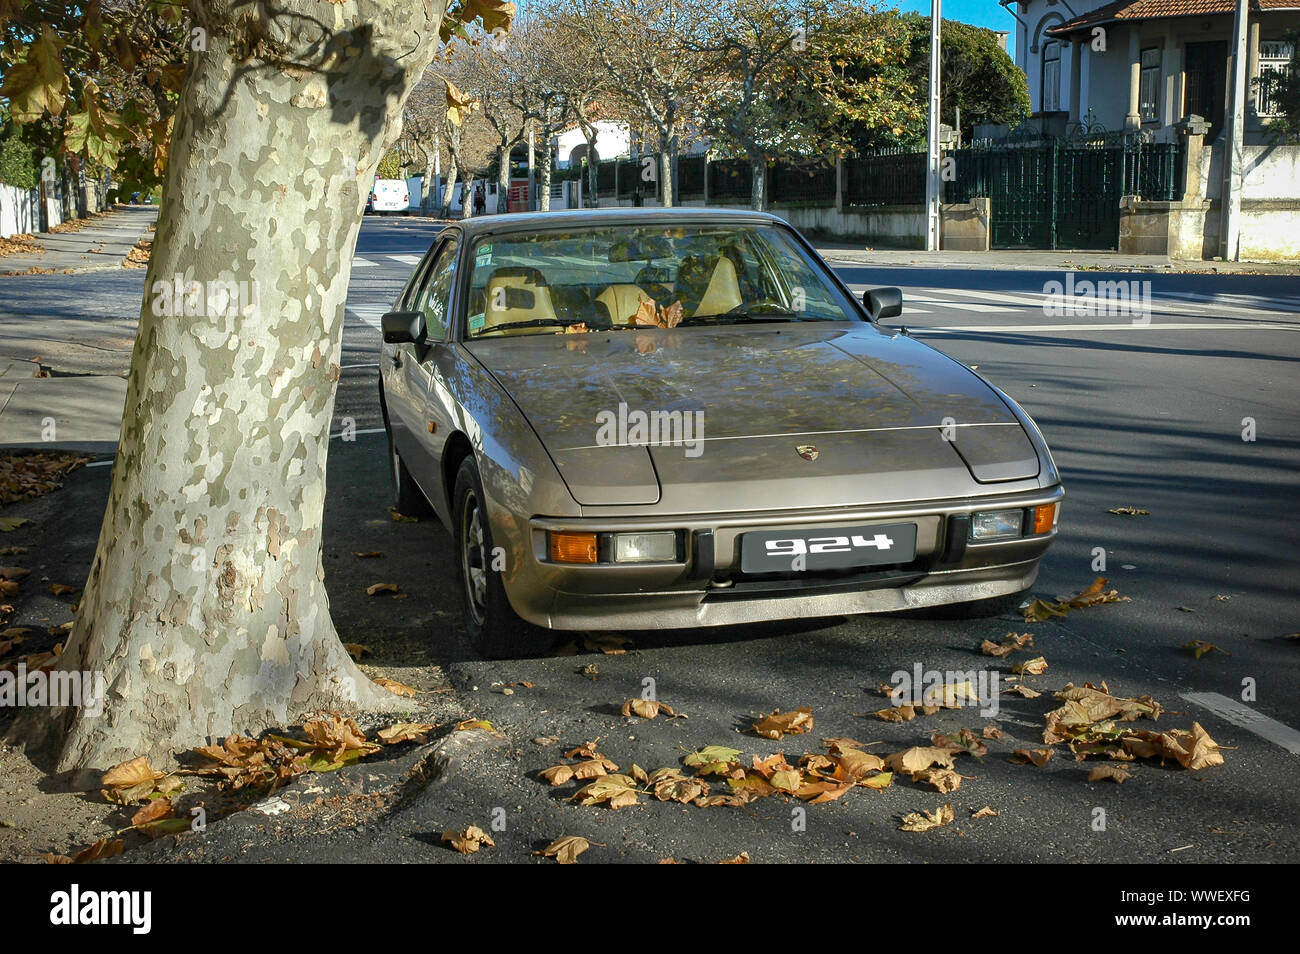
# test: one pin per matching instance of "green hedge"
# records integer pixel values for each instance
(18, 166)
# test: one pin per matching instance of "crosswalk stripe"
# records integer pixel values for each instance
(407, 259)
(370, 314)
(1242, 716)
(1125, 326)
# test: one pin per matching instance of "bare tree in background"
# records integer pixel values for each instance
(645, 52)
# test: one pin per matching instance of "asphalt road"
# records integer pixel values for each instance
(1148, 415)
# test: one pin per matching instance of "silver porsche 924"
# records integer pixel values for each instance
(635, 419)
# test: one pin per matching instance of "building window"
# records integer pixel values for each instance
(1149, 87)
(1274, 62)
(1051, 93)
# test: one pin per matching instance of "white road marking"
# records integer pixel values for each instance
(369, 313)
(364, 430)
(1126, 326)
(101, 463)
(359, 262)
(959, 305)
(407, 259)
(1243, 716)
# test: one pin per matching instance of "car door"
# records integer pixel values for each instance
(407, 390)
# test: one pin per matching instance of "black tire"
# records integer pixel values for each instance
(495, 629)
(408, 498)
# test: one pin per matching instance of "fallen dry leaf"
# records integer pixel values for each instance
(376, 588)
(565, 850)
(927, 821)
(713, 760)
(919, 758)
(1034, 667)
(776, 724)
(648, 709)
(616, 791)
(406, 732)
(1009, 644)
(1115, 773)
(1038, 757)
(986, 812)
(1200, 647)
(469, 841)
(395, 687)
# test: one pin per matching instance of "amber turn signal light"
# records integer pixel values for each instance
(573, 547)
(1044, 518)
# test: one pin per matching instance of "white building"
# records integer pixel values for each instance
(1147, 64)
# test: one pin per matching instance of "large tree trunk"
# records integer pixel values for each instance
(205, 608)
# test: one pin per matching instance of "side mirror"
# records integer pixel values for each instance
(401, 327)
(883, 302)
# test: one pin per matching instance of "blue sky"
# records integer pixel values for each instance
(985, 13)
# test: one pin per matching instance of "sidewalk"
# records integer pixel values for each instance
(74, 412)
(102, 245)
(1041, 260)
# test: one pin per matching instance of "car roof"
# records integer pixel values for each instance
(527, 221)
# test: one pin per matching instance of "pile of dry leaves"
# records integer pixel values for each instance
(27, 475)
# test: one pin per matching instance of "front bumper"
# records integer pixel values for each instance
(707, 587)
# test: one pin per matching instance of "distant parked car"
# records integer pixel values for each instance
(389, 195)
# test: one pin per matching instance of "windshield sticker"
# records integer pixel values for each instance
(483, 257)
(476, 322)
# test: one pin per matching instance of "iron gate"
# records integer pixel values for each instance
(1056, 194)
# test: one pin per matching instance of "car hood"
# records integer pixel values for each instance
(759, 416)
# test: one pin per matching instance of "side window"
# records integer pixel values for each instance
(434, 299)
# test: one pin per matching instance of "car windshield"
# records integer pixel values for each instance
(605, 278)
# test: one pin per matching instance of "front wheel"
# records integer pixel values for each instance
(495, 629)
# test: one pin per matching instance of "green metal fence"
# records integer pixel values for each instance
(891, 177)
(802, 182)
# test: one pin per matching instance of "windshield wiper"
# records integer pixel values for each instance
(529, 323)
(739, 317)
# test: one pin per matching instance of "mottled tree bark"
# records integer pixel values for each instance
(758, 183)
(503, 177)
(206, 608)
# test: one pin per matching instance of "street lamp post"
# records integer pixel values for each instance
(932, 184)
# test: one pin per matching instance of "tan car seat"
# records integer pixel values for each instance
(524, 295)
(622, 301)
(716, 296)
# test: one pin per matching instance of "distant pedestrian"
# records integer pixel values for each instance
(480, 201)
